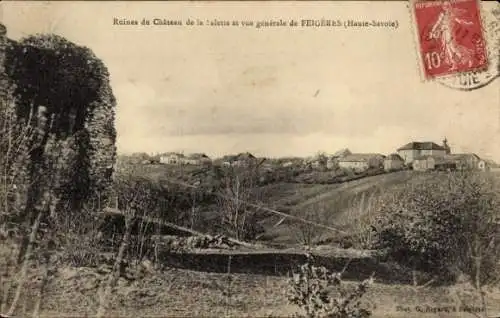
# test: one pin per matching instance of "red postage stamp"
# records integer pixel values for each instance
(450, 36)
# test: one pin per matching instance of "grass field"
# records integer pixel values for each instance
(73, 292)
(337, 205)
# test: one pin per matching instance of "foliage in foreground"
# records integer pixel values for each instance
(446, 227)
(321, 293)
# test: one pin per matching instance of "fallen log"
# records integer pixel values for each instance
(165, 227)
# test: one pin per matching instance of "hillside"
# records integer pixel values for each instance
(327, 204)
(345, 206)
(338, 205)
(193, 187)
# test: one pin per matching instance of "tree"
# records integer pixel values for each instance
(307, 233)
(136, 198)
(236, 198)
(15, 138)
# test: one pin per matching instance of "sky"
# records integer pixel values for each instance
(278, 91)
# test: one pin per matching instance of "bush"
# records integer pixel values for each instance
(321, 293)
(358, 219)
(443, 226)
(310, 234)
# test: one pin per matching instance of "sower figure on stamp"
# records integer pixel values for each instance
(443, 30)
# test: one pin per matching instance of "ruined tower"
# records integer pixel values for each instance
(63, 95)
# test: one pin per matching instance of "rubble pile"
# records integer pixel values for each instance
(179, 243)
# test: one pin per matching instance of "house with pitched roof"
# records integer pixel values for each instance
(243, 159)
(428, 162)
(465, 161)
(393, 162)
(361, 161)
(469, 161)
(197, 159)
(332, 161)
(416, 149)
(172, 158)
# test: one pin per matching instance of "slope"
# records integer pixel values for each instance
(334, 205)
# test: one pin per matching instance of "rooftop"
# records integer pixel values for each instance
(180, 155)
(419, 145)
(394, 156)
(245, 155)
(463, 156)
(197, 156)
(360, 157)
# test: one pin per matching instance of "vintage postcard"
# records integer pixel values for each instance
(250, 159)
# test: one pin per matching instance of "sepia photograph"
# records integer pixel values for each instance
(334, 159)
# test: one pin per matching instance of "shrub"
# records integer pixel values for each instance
(359, 219)
(443, 225)
(321, 293)
(310, 234)
(81, 240)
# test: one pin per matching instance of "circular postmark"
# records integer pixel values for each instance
(467, 81)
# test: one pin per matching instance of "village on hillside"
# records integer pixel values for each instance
(415, 155)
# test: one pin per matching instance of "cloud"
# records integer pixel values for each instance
(228, 90)
(260, 112)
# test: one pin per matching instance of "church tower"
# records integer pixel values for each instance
(445, 146)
